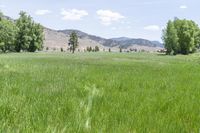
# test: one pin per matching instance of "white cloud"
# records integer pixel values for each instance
(42, 12)
(183, 7)
(107, 16)
(73, 14)
(152, 27)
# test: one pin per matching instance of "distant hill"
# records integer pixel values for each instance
(122, 42)
(157, 43)
(127, 42)
(57, 39)
(121, 39)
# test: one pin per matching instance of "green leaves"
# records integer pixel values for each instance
(73, 41)
(8, 32)
(170, 38)
(30, 34)
(181, 36)
(24, 34)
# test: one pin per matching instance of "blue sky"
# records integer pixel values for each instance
(106, 18)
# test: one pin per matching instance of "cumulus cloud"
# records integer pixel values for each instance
(73, 14)
(152, 28)
(183, 7)
(42, 12)
(107, 17)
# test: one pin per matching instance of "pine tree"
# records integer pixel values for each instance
(73, 41)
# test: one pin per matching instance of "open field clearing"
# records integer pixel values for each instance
(99, 92)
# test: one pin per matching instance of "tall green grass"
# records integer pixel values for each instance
(99, 92)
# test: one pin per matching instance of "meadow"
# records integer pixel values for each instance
(99, 92)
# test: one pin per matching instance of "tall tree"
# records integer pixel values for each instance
(8, 32)
(23, 39)
(188, 34)
(120, 49)
(170, 38)
(30, 35)
(73, 41)
(37, 38)
(181, 36)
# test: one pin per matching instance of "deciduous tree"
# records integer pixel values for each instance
(181, 36)
(30, 34)
(8, 32)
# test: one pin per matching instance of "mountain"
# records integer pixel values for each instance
(158, 44)
(123, 42)
(57, 39)
(83, 35)
(121, 39)
(127, 42)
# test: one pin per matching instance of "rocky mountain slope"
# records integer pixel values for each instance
(59, 39)
(55, 40)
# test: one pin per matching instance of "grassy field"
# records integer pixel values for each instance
(99, 92)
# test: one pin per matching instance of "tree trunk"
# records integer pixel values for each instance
(73, 49)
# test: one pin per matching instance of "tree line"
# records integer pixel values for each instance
(181, 37)
(22, 34)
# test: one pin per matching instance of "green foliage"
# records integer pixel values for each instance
(37, 38)
(96, 49)
(73, 41)
(88, 49)
(8, 32)
(170, 38)
(24, 34)
(30, 35)
(120, 49)
(61, 49)
(181, 36)
(1, 15)
(99, 92)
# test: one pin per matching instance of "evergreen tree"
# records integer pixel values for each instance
(73, 41)
(96, 49)
(120, 49)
